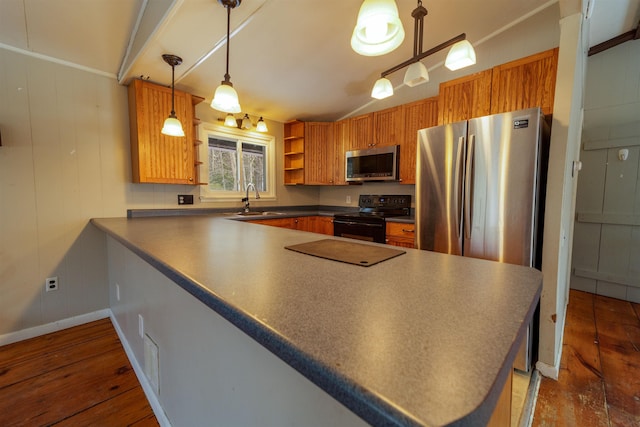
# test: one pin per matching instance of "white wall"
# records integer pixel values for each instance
(65, 159)
(606, 257)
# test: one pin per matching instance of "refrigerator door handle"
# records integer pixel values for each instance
(458, 183)
(468, 191)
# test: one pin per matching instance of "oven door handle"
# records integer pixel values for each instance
(337, 221)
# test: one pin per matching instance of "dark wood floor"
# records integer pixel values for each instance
(77, 377)
(599, 380)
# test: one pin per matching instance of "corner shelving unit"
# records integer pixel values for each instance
(294, 152)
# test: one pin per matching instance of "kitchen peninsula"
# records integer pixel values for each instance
(422, 339)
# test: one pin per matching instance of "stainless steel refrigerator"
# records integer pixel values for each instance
(480, 190)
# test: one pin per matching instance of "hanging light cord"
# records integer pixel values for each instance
(227, 77)
(173, 111)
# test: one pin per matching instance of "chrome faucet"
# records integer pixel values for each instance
(246, 197)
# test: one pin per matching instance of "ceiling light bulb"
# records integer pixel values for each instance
(382, 89)
(225, 99)
(461, 55)
(172, 127)
(378, 29)
(416, 74)
(246, 122)
(229, 120)
(261, 126)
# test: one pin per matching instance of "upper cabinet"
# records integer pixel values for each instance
(341, 131)
(417, 115)
(158, 158)
(465, 98)
(360, 132)
(388, 126)
(320, 154)
(294, 148)
(527, 82)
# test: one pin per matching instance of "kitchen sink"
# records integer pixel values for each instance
(258, 213)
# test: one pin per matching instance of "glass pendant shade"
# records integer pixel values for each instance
(378, 29)
(382, 89)
(225, 99)
(416, 74)
(461, 55)
(246, 122)
(230, 121)
(172, 127)
(261, 126)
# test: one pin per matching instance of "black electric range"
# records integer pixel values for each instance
(369, 222)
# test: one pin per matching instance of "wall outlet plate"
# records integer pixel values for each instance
(185, 199)
(51, 284)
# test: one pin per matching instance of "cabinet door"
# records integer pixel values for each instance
(361, 132)
(324, 225)
(401, 234)
(388, 126)
(465, 98)
(319, 154)
(417, 115)
(525, 83)
(158, 158)
(341, 144)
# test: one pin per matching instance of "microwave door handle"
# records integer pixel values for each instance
(468, 191)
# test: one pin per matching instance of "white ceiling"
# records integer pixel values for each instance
(289, 58)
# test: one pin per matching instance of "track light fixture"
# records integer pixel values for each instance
(461, 55)
(225, 98)
(172, 125)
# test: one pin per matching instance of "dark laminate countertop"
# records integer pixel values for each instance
(421, 339)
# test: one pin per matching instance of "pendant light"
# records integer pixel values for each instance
(461, 55)
(172, 125)
(378, 29)
(261, 126)
(225, 98)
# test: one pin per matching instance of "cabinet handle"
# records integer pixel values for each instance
(408, 231)
(191, 179)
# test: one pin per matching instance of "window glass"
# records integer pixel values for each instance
(235, 158)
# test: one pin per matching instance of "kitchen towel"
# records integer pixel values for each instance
(349, 252)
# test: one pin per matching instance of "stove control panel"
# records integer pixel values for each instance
(384, 202)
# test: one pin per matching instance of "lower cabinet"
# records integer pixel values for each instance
(314, 224)
(401, 234)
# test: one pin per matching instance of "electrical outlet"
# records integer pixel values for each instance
(348, 199)
(51, 284)
(140, 325)
(185, 199)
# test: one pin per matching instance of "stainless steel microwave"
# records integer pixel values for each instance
(374, 164)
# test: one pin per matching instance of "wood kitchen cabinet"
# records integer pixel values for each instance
(360, 132)
(314, 224)
(388, 127)
(417, 115)
(525, 83)
(465, 98)
(341, 135)
(401, 234)
(294, 151)
(320, 154)
(158, 158)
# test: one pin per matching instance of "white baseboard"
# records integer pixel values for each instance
(142, 378)
(56, 326)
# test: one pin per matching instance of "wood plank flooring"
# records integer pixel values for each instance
(76, 377)
(599, 380)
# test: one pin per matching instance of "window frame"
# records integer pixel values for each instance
(241, 136)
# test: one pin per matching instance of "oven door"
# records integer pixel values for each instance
(357, 228)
